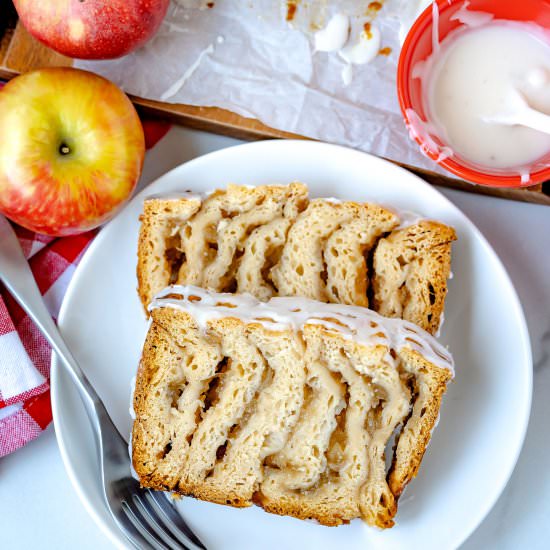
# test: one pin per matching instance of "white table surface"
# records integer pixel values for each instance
(40, 509)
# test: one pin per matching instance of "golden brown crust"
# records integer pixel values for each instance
(430, 385)
(329, 514)
(214, 494)
(154, 353)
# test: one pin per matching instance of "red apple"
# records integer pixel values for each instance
(92, 29)
(71, 150)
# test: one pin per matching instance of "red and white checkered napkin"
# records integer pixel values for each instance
(24, 353)
(25, 409)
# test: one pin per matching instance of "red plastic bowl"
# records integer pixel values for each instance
(418, 46)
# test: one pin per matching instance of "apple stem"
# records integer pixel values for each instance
(64, 149)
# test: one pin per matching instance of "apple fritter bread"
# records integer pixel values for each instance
(272, 240)
(289, 404)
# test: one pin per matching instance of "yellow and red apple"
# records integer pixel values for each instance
(92, 29)
(71, 150)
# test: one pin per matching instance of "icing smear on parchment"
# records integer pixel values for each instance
(355, 46)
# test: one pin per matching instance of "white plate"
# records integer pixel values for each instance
(484, 414)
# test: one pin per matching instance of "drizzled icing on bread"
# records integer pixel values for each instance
(281, 313)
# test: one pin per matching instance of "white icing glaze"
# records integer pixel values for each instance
(347, 74)
(406, 217)
(466, 119)
(432, 430)
(423, 131)
(334, 36)
(178, 84)
(363, 51)
(407, 13)
(441, 321)
(471, 18)
(178, 195)
(133, 416)
(478, 87)
(280, 314)
(360, 52)
(132, 471)
(132, 390)
(538, 77)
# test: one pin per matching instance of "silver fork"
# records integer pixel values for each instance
(146, 517)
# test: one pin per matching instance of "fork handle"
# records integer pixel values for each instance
(17, 276)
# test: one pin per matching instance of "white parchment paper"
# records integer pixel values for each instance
(245, 57)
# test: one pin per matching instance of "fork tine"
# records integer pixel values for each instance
(132, 534)
(174, 521)
(152, 519)
(137, 523)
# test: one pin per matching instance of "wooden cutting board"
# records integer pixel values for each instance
(19, 53)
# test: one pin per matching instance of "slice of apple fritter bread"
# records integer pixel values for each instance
(289, 404)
